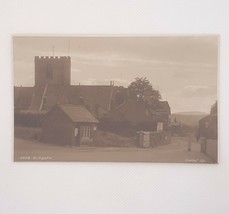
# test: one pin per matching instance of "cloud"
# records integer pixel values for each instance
(23, 75)
(76, 70)
(120, 82)
(191, 91)
(93, 81)
(174, 48)
(89, 81)
(117, 59)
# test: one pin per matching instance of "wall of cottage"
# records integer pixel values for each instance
(57, 128)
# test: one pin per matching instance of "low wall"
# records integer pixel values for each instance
(160, 138)
(212, 149)
(152, 139)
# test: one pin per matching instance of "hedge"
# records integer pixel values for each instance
(28, 119)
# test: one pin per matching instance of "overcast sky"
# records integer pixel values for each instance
(182, 68)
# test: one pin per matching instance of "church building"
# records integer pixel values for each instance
(53, 86)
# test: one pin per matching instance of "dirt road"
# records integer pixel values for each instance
(176, 152)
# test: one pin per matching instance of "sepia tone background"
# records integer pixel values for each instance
(113, 188)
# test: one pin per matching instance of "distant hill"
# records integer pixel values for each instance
(191, 113)
(188, 118)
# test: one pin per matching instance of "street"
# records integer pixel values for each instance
(176, 152)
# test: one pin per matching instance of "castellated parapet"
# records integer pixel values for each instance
(52, 57)
(52, 70)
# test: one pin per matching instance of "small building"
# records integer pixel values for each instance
(138, 112)
(69, 125)
(208, 127)
(207, 133)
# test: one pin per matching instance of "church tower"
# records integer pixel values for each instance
(52, 71)
(49, 71)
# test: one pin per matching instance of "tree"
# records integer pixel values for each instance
(141, 89)
(121, 95)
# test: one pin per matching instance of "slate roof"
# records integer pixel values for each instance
(134, 111)
(78, 113)
(93, 95)
(96, 94)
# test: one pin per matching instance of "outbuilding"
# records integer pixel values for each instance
(69, 125)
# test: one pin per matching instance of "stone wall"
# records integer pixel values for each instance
(152, 139)
(58, 68)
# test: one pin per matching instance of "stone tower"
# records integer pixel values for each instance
(49, 71)
(52, 71)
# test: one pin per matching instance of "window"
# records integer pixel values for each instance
(86, 131)
(159, 126)
(76, 131)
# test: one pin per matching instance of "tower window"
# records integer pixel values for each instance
(49, 72)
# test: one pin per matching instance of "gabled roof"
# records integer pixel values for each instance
(96, 94)
(78, 113)
(134, 111)
(62, 94)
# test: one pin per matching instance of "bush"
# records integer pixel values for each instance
(28, 119)
(33, 134)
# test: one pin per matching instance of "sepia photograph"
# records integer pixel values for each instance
(114, 107)
(131, 98)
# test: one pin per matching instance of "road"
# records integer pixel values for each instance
(176, 152)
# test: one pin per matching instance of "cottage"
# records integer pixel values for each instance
(69, 125)
(139, 112)
(208, 126)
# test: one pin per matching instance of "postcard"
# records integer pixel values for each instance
(144, 98)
